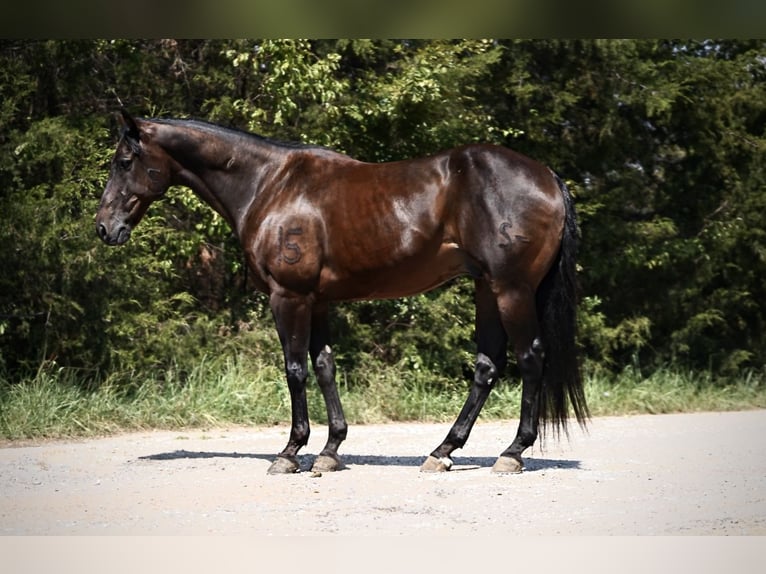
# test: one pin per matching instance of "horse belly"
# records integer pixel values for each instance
(410, 276)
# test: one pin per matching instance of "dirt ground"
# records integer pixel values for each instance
(701, 474)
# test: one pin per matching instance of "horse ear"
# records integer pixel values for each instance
(130, 125)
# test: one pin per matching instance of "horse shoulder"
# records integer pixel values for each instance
(285, 248)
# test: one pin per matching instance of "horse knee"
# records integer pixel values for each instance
(324, 366)
(296, 373)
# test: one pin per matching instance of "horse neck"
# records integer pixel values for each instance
(224, 169)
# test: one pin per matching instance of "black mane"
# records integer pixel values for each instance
(224, 131)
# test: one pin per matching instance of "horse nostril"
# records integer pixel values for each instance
(101, 231)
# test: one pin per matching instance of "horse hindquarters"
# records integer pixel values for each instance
(526, 247)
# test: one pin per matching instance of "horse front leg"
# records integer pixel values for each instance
(324, 368)
(293, 319)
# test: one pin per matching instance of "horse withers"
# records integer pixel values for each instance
(319, 227)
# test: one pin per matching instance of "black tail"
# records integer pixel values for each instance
(557, 312)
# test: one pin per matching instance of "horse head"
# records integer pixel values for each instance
(140, 173)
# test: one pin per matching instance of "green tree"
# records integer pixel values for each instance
(662, 143)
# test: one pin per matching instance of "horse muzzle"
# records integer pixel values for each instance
(116, 236)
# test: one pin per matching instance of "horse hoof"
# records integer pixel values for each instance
(433, 464)
(284, 465)
(326, 463)
(507, 465)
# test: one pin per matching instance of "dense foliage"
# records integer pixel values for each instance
(662, 142)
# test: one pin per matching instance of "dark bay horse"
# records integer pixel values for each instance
(318, 227)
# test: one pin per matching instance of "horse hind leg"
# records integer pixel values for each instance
(517, 309)
(492, 341)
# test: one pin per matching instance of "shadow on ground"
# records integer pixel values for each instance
(306, 460)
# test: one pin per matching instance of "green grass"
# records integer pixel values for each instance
(670, 390)
(238, 391)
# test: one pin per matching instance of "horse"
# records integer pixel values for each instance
(318, 227)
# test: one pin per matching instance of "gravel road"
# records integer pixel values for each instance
(702, 473)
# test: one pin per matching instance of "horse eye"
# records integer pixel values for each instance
(125, 163)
